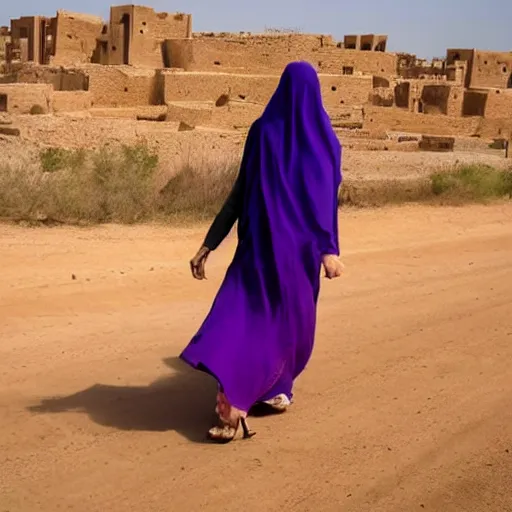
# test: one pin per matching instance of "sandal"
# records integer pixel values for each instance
(226, 433)
(231, 419)
(279, 403)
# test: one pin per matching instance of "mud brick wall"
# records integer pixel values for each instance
(191, 114)
(61, 79)
(455, 101)
(144, 31)
(22, 97)
(236, 115)
(71, 101)
(396, 119)
(435, 143)
(337, 60)
(499, 104)
(122, 86)
(76, 37)
(183, 86)
(4, 39)
(29, 27)
(442, 99)
(491, 69)
(150, 30)
(494, 128)
(454, 55)
(266, 53)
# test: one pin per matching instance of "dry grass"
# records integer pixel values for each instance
(198, 188)
(121, 184)
(109, 185)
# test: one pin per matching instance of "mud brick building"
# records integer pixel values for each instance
(141, 58)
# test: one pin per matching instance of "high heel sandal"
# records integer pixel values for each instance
(227, 433)
(279, 403)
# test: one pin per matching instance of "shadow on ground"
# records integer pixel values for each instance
(183, 402)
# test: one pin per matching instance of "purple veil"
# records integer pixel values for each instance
(258, 336)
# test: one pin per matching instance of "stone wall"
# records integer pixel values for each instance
(76, 36)
(21, 98)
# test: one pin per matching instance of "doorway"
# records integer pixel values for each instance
(3, 102)
(126, 23)
(42, 41)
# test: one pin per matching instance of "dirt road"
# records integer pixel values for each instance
(406, 404)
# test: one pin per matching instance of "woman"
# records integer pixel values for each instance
(258, 336)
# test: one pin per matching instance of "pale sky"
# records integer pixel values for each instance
(426, 27)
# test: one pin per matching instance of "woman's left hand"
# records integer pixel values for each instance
(198, 262)
(333, 266)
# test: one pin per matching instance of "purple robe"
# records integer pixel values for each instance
(259, 334)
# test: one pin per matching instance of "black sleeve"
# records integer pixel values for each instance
(232, 208)
(227, 217)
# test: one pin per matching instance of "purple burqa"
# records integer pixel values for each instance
(259, 334)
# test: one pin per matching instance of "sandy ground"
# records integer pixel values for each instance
(406, 404)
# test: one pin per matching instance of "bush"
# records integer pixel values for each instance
(123, 183)
(472, 183)
(119, 184)
(108, 185)
(57, 159)
(22, 193)
(199, 188)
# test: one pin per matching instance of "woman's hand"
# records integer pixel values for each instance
(197, 263)
(333, 266)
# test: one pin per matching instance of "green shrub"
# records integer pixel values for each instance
(472, 183)
(57, 159)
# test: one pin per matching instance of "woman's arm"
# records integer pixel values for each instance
(219, 229)
(226, 218)
(232, 208)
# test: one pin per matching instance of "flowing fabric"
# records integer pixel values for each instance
(259, 334)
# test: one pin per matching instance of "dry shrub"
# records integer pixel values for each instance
(118, 184)
(199, 187)
(108, 185)
(22, 192)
